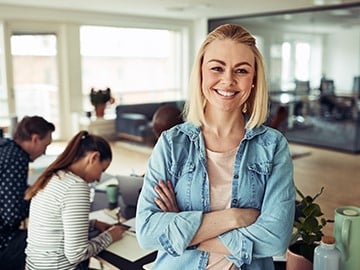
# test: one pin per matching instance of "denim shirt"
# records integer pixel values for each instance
(262, 179)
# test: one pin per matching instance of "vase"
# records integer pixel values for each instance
(295, 261)
(100, 110)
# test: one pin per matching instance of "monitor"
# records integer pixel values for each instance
(129, 188)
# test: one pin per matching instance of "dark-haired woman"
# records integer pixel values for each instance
(60, 205)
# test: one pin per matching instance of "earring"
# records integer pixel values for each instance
(252, 86)
(244, 108)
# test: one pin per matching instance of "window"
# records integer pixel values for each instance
(3, 92)
(295, 63)
(35, 76)
(138, 65)
(302, 63)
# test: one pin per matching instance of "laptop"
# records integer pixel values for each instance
(129, 190)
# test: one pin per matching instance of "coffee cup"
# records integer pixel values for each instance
(112, 191)
(347, 235)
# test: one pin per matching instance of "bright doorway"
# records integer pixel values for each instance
(35, 76)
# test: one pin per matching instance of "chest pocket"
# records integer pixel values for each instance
(258, 175)
(184, 183)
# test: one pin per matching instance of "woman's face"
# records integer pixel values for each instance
(228, 72)
(94, 169)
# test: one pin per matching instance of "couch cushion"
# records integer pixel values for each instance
(130, 123)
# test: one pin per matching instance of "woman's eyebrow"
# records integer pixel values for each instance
(224, 64)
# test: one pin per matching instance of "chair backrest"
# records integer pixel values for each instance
(302, 87)
(356, 86)
(327, 87)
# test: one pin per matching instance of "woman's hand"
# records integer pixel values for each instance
(102, 226)
(117, 231)
(167, 199)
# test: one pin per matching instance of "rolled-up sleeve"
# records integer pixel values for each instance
(171, 232)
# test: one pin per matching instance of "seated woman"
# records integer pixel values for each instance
(58, 234)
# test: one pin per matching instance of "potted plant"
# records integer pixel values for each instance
(99, 99)
(307, 232)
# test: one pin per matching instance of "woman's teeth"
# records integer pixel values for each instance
(225, 93)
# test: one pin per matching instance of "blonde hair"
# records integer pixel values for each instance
(257, 103)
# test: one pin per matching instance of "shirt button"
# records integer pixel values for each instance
(236, 176)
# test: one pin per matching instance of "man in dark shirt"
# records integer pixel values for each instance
(30, 140)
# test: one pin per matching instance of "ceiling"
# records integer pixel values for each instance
(177, 9)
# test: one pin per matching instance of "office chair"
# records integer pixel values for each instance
(333, 106)
(302, 88)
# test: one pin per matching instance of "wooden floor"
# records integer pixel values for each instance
(337, 172)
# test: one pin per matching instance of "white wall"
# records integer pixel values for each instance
(341, 63)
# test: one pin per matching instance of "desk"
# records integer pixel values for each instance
(124, 264)
(38, 166)
(349, 100)
(128, 261)
(146, 263)
(289, 100)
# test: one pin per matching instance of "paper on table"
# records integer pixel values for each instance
(128, 248)
(130, 222)
(102, 216)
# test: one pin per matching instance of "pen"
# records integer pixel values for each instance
(118, 215)
(122, 224)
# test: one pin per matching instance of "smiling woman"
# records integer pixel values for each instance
(208, 178)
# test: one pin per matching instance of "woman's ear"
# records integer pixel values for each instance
(94, 157)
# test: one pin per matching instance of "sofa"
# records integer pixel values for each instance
(133, 121)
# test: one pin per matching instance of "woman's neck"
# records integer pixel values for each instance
(223, 131)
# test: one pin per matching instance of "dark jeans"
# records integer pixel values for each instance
(13, 257)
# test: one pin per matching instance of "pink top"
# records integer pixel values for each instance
(220, 168)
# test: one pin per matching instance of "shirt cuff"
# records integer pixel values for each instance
(240, 247)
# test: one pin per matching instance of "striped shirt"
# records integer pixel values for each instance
(59, 223)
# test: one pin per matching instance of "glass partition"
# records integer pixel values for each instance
(313, 68)
(307, 45)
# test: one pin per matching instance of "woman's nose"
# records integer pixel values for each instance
(228, 78)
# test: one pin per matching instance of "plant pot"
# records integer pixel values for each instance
(295, 261)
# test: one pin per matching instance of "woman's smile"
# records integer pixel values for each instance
(228, 74)
(226, 93)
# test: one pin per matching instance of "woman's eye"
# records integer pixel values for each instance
(216, 69)
(242, 71)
